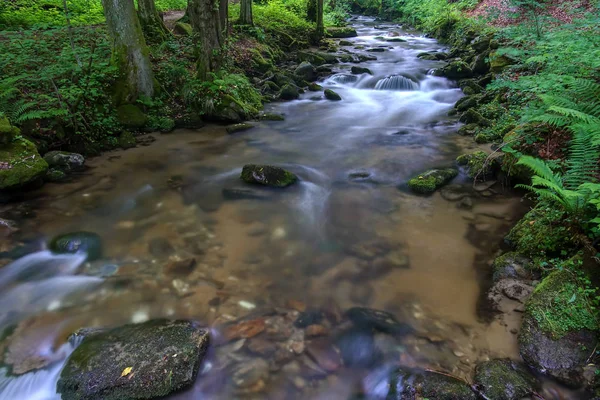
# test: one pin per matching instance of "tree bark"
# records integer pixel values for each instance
(130, 52)
(204, 18)
(320, 26)
(246, 12)
(224, 16)
(152, 24)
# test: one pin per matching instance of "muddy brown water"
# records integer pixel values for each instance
(335, 240)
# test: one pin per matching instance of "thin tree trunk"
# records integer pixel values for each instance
(70, 27)
(130, 52)
(320, 27)
(224, 16)
(245, 12)
(152, 24)
(204, 18)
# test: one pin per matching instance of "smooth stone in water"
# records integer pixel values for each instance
(267, 175)
(360, 70)
(382, 321)
(87, 242)
(428, 182)
(331, 95)
(244, 126)
(138, 361)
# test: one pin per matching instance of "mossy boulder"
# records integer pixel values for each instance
(317, 58)
(266, 116)
(141, 361)
(131, 117)
(20, 165)
(416, 385)
(65, 161)
(559, 330)
(500, 62)
(267, 175)
(74, 242)
(244, 126)
(455, 70)
(55, 175)
(306, 71)
(470, 87)
(504, 380)
(127, 140)
(289, 92)
(432, 56)
(428, 182)
(481, 64)
(468, 130)
(512, 265)
(341, 32)
(542, 234)
(259, 63)
(467, 102)
(331, 95)
(7, 132)
(477, 165)
(345, 43)
(473, 117)
(183, 29)
(360, 70)
(314, 87)
(230, 110)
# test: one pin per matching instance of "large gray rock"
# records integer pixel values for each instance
(64, 161)
(306, 71)
(144, 361)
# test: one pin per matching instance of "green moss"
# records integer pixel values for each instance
(499, 62)
(127, 140)
(181, 28)
(20, 164)
(455, 70)
(559, 307)
(473, 117)
(267, 175)
(314, 87)
(331, 95)
(289, 92)
(259, 63)
(405, 384)
(504, 380)
(475, 164)
(130, 116)
(543, 233)
(7, 132)
(341, 32)
(428, 182)
(511, 265)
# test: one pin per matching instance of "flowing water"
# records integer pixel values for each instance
(348, 234)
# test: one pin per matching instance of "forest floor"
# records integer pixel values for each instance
(504, 14)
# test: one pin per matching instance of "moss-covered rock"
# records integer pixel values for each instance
(473, 117)
(271, 117)
(428, 182)
(306, 71)
(181, 28)
(20, 165)
(127, 140)
(481, 64)
(259, 63)
(74, 242)
(55, 175)
(331, 95)
(432, 56)
(267, 175)
(504, 380)
(360, 70)
(317, 58)
(345, 43)
(289, 92)
(131, 117)
(477, 165)
(244, 126)
(314, 87)
(467, 102)
(470, 87)
(542, 234)
(7, 132)
(512, 265)
(143, 361)
(455, 70)
(65, 161)
(468, 130)
(499, 62)
(559, 330)
(229, 109)
(341, 32)
(417, 385)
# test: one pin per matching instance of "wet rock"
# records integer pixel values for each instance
(263, 116)
(414, 385)
(503, 380)
(455, 192)
(64, 161)
(251, 375)
(558, 330)
(306, 71)
(160, 247)
(308, 317)
(345, 43)
(512, 265)
(289, 92)
(477, 165)
(455, 70)
(395, 40)
(313, 87)
(244, 193)
(467, 102)
(267, 175)
(360, 70)
(244, 126)
(20, 163)
(331, 95)
(428, 182)
(432, 56)
(324, 354)
(473, 117)
(511, 289)
(180, 267)
(370, 319)
(142, 361)
(357, 348)
(73, 242)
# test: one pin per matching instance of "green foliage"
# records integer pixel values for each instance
(44, 14)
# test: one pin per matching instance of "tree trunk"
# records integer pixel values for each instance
(204, 18)
(245, 12)
(130, 52)
(224, 16)
(320, 27)
(152, 23)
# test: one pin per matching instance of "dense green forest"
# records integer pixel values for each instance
(84, 77)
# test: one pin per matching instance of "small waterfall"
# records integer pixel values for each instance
(344, 78)
(396, 82)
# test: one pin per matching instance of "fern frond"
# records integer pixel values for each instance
(572, 113)
(540, 168)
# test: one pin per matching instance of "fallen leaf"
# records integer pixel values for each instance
(126, 371)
